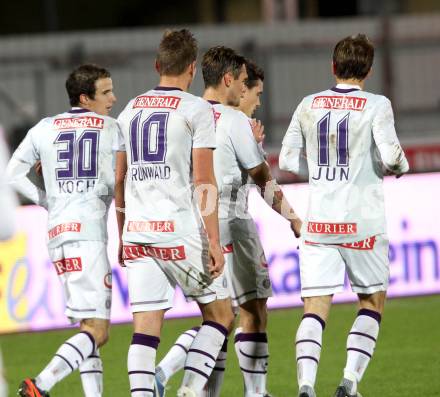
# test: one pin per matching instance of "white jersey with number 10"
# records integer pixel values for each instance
(159, 129)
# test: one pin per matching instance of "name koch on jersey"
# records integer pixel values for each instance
(159, 130)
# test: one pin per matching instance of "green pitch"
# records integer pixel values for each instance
(406, 362)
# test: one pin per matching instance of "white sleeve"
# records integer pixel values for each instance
(203, 126)
(20, 173)
(118, 140)
(385, 137)
(246, 147)
(292, 156)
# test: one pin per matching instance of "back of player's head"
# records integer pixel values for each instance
(353, 57)
(177, 50)
(254, 73)
(218, 61)
(82, 81)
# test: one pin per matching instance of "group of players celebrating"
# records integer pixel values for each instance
(180, 183)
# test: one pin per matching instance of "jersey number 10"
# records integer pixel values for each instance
(341, 141)
(148, 140)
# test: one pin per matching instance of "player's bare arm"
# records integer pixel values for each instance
(273, 195)
(206, 189)
(120, 172)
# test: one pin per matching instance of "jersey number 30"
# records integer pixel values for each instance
(79, 155)
(148, 140)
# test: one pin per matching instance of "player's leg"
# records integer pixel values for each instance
(82, 303)
(322, 275)
(174, 360)
(250, 287)
(142, 352)
(205, 354)
(151, 294)
(368, 272)
(91, 369)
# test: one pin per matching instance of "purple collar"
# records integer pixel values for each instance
(213, 102)
(79, 110)
(161, 88)
(344, 90)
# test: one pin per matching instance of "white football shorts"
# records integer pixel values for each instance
(323, 266)
(154, 270)
(86, 275)
(246, 270)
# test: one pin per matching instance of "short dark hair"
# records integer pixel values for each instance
(218, 61)
(82, 81)
(177, 50)
(254, 73)
(353, 57)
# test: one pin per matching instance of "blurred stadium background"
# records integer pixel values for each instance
(42, 40)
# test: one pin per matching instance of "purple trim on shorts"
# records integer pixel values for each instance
(76, 111)
(162, 88)
(196, 328)
(316, 317)
(141, 372)
(370, 313)
(237, 338)
(253, 372)
(202, 353)
(225, 346)
(197, 371)
(93, 356)
(344, 90)
(145, 340)
(217, 326)
(359, 351)
(308, 358)
(181, 346)
(75, 348)
(142, 389)
(364, 335)
(213, 102)
(92, 339)
(253, 337)
(308, 340)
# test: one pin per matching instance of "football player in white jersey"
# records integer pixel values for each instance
(75, 151)
(348, 138)
(238, 161)
(175, 358)
(167, 216)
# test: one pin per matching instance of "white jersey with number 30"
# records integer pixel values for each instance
(159, 129)
(75, 149)
(348, 136)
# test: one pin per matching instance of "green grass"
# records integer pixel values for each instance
(406, 362)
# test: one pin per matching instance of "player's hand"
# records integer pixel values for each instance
(120, 254)
(258, 130)
(216, 260)
(295, 225)
(38, 168)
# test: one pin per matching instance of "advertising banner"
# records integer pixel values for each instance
(31, 297)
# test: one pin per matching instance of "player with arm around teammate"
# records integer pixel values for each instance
(75, 150)
(165, 153)
(348, 137)
(175, 357)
